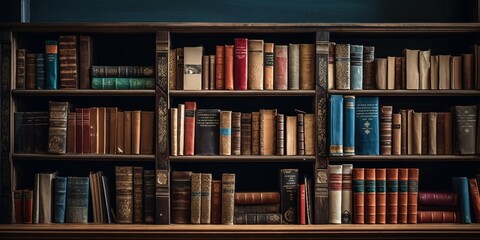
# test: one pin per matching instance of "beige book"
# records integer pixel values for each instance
(331, 65)
(268, 66)
(396, 134)
(432, 133)
(444, 72)
(390, 73)
(136, 125)
(206, 198)
(410, 131)
(342, 66)
(267, 131)
(293, 66)
(192, 72)
(196, 198)
(128, 132)
(417, 133)
(307, 66)
(147, 131)
(335, 194)
(255, 64)
(434, 72)
(456, 72)
(181, 129)
(309, 134)
(291, 135)
(411, 68)
(381, 73)
(173, 131)
(172, 69)
(205, 72)
(225, 133)
(255, 133)
(424, 69)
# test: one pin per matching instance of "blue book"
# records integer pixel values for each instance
(51, 64)
(356, 67)
(77, 200)
(349, 125)
(460, 186)
(40, 62)
(336, 125)
(60, 199)
(367, 134)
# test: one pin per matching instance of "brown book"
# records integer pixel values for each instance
(424, 134)
(112, 130)
(449, 135)
(205, 72)
(18, 206)
(95, 195)
(251, 198)
(381, 192)
(444, 81)
(438, 217)
(124, 194)
(456, 72)
(255, 64)
(86, 60)
(101, 126)
(424, 69)
(475, 198)
(246, 134)
(402, 195)
(412, 195)
(434, 72)
(229, 79)
(27, 205)
(280, 135)
(146, 132)
(180, 66)
(465, 129)
(228, 198)
(280, 80)
(94, 130)
(255, 133)
(368, 67)
(225, 132)
(321, 196)
(404, 131)
(342, 66)
(410, 131)
(291, 135)
(396, 134)
(257, 208)
(79, 130)
(86, 130)
(404, 73)
(138, 195)
(136, 127)
(236, 133)
(216, 215)
(196, 198)
(120, 133)
(411, 68)
(381, 73)
(390, 73)
(213, 76)
(190, 109)
(370, 196)
(149, 195)
(417, 133)
(268, 66)
(20, 68)
(267, 131)
(440, 133)
(206, 198)
(71, 130)
(359, 195)
(309, 134)
(67, 51)
(181, 196)
(57, 127)
(432, 133)
(398, 73)
(307, 66)
(220, 67)
(172, 69)
(173, 131)
(468, 72)
(392, 195)
(128, 132)
(386, 130)
(300, 134)
(31, 71)
(331, 66)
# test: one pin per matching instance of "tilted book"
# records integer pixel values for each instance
(366, 126)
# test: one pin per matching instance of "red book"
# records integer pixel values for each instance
(359, 195)
(301, 205)
(402, 195)
(18, 205)
(189, 147)
(241, 63)
(280, 80)
(228, 67)
(381, 197)
(27, 206)
(257, 197)
(370, 198)
(438, 199)
(86, 130)
(79, 131)
(392, 195)
(473, 185)
(219, 68)
(438, 217)
(412, 195)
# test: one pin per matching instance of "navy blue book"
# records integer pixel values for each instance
(40, 67)
(51, 64)
(336, 125)
(460, 186)
(356, 67)
(77, 200)
(367, 134)
(59, 199)
(349, 125)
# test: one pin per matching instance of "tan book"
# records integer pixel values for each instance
(181, 129)
(448, 133)
(398, 73)
(205, 72)
(390, 73)
(381, 73)
(456, 72)
(268, 66)
(120, 132)
(424, 69)
(434, 72)
(225, 132)
(255, 64)
(255, 133)
(173, 131)
(267, 131)
(112, 134)
(417, 133)
(228, 67)
(212, 75)
(444, 72)
(206, 198)
(128, 132)
(342, 66)
(331, 66)
(432, 133)
(136, 125)
(410, 131)
(293, 66)
(307, 66)
(291, 135)
(102, 130)
(172, 69)
(192, 74)
(147, 131)
(411, 68)
(228, 198)
(196, 198)
(396, 134)
(309, 134)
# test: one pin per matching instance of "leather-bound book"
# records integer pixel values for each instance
(94, 131)
(349, 125)
(434, 65)
(402, 195)
(293, 66)
(359, 195)
(18, 206)
(386, 130)
(172, 69)
(302, 218)
(268, 68)
(216, 214)
(112, 129)
(291, 135)
(424, 133)
(220, 67)
(86, 130)
(448, 133)
(307, 66)
(424, 69)
(336, 125)
(356, 67)
(392, 195)
(181, 129)
(342, 66)
(468, 73)
(335, 194)
(440, 133)
(438, 199)
(124, 194)
(381, 73)
(206, 198)
(123, 71)
(300, 134)
(258, 208)
(57, 130)
(138, 195)
(267, 131)
(21, 69)
(368, 67)
(367, 132)
(67, 49)
(398, 73)
(444, 75)
(417, 133)
(149, 195)
(309, 134)
(241, 65)
(246, 134)
(258, 218)
(136, 127)
(51, 64)
(229, 67)
(146, 132)
(236, 143)
(173, 131)
(196, 198)
(390, 73)
(411, 67)
(410, 131)
(192, 75)
(478, 131)
(212, 78)
(86, 60)
(255, 64)
(321, 196)
(396, 134)
(257, 198)
(456, 72)
(225, 132)
(438, 217)
(280, 80)
(76, 209)
(381, 192)
(255, 133)
(404, 131)
(40, 70)
(207, 132)
(370, 196)
(331, 65)
(71, 129)
(475, 198)
(289, 195)
(205, 72)
(180, 67)
(466, 127)
(128, 132)
(460, 186)
(190, 109)
(181, 197)
(42, 211)
(228, 198)
(79, 130)
(31, 71)
(280, 135)
(101, 130)
(347, 213)
(404, 72)
(432, 133)
(412, 195)
(27, 205)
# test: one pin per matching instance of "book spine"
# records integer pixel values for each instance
(86, 148)
(146, 132)
(331, 66)
(174, 132)
(258, 208)
(366, 126)
(289, 195)
(18, 206)
(417, 134)
(225, 132)
(255, 64)
(255, 133)
(356, 66)
(424, 69)
(77, 200)
(267, 131)
(190, 109)
(440, 133)
(386, 130)
(349, 126)
(402, 195)
(246, 134)
(456, 72)
(368, 67)
(27, 205)
(229, 67)
(460, 185)
(412, 73)
(291, 135)
(40, 71)
(398, 73)
(67, 49)
(180, 67)
(57, 131)
(127, 132)
(228, 198)
(220, 67)
(425, 134)
(60, 199)
(257, 198)
(434, 72)
(336, 126)
(136, 120)
(172, 69)
(241, 65)
(124, 194)
(432, 133)
(51, 63)
(181, 129)
(392, 195)
(149, 195)
(280, 80)
(370, 196)
(381, 192)
(444, 80)
(359, 195)
(307, 66)
(196, 199)
(396, 134)
(31, 71)
(216, 214)
(342, 67)
(258, 218)
(449, 133)
(404, 131)
(466, 127)
(78, 130)
(300, 134)
(335, 193)
(205, 71)
(321, 196)
(438, 217)
(86, 59)
(346, 213)
(475, 197)
(71, 132)
(181, 196)
(437, 199)
(268, 68)
(301, 205)
(138, 194)
(381, 73)
(21, 68)
(236, 133)
(468, 71)
(309, 134)
(293, 66)
(192, 76)
(206, 198)
(280, 122)
(207, 130)
(123, 71)
(412, 195)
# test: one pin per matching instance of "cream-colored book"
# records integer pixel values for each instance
(456, 72)
(309, 134)
(174, 131)
(444, 72)
(181, 129)
(411, 68)
(434, 72)
(424, 68)
(192, 68)
(390, 73)
(291, 135)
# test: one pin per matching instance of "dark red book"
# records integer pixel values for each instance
(18, 206)
(412, 195)
(475, 197)
(216, 216)
(28, 206)
(189, 147)
(301, 204)
(241, 63)
(438, 217)
(438, 198)
(79, 131)
(257, 197)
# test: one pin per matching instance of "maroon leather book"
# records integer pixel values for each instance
(220, 67)
(468, 71)
(18, 206)
(241, 63)
(412, 195)
(79, 131)
(86, 130)
(402, 195)
(216, 216)
(438, 216)
(31, 80)
(438, 199)
(27, 206)
(189, 147)
(257, 197)
(475, 198)
(71, 129)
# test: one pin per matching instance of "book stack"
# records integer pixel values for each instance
(123, 77)
(438, 207)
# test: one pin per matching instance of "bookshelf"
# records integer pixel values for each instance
(153, 41)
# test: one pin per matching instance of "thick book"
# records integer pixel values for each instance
(438, 217)
(228, 198)
(236, 133)
(336, 125)
(68, 69)
(444, 80)
(456, 72)
(392, 195)
(21, 67)
(76, 210)
(95, 134)
(367, 126)
(246, 134)
(124, 194)
(359, 195)
(347, 213)
(390, 73)
(138, 194)
(31, 71)
(241, 65)
(381, 73)
(310, 134)
(368, 67)
(291, 135)
(216, 198)
(181, 196)
(475, 198)
(220, 67)
(257, 218)
(149, 195)
(280, 134)
(460, 186)
(147, 130)
(192, 72)
(255, 133)
(257, 198)
(349, 125)
(206, 198)
(412, 195)
(229, 67)
(411, 68)
(386, 130)
(123, 71)
(402, 195)
(465, 129)
(51, 64)
(78, 130)
(268, 66)
(438, 199)
(335, 194)
(207, 132)
(307, 66)
(321, 196)
(381, 195)
(331, 65)
(342, 66)
(190, 109)
(181, 130)
(293, 66)
(468, 71)
(370, 196)
(40, 71)
(396, 134)
(196, 198)
(85, 61)
(225, 132)
(172, 69)
(280, 80)
(255, 64)
(174, 131)
(424, 69)
(289, 195)
(95, 194)
(267, 131)
(59, 201)
(356, 67)
(57, 129)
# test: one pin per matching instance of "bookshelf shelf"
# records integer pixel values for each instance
(426, 158)
(243, 158)
(408, 93)
(81, 92)
(81, 157)
(237, 93)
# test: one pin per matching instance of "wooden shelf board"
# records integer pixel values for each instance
(82, 92)
(433, 158)
(407, 93)
(237, 93)
(242, 158)
(81, 157)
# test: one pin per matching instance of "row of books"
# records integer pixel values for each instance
(248, 64)
(355, 67)
(359, 126)
(220, 132)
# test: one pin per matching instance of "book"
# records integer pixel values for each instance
(449, 133)
(438, 216)
(94, 193)
(293, 66)
(180, 68)
(31, 71)
(366, 126)
(146, 132)
(381, 73)
(127, 131)
(392, 195)
(291, 135)
(456, 72)
(370, 196)
(460, 186)
(123, 71)
(358, 195)
(257, 218)
(368, 67)
(149, 195)
(124, 194)
(136, 131)
(216, 198)
(302, 218)
(438, 199)
(432, 133)
(85, 61)
(309, 120)
(21, 68)
(424, 134)
(280, 79)
(40, 71)
(190, 109)
(71, 132)
(181, 196)
(258, 208)
(257, 198)
(241, 65)
(349, 125)
(267, 131)
(76, 209)
(404, 131)
(228, 198)
(386, 130)
(396, 134)
(68, 69)
(59, 200)
(172, 69)
(424, 69)
(206, 198)
(300, 134)
(78, 130)
(95, 134)
(255, 64)
(434, 72)
(268, 67)
(444, 81)
(18, 206)
(342, 66)
(335, 193)
(440, 133)
(207, 132)
(181, 129)
(236, 133)
(307, 66)
(196, 198)
(412, 72)
(331, 65)
(27, 205)
(57, 130)
(174, 131)
(465, 129)
(321, 196)
(356, 67)
(475, 198)
(51, 64)
(220, 67)
(398, 72)
(381, 195)
(468, 73)
(289, 195)
(255, 133)
(225, 132)
(122, 83)
(246, 134)
(412, 195)
(347, 213)
(138, 193)
(336, 125)
(417, 133)
(229, 67)
(192, 62)
(390, 73)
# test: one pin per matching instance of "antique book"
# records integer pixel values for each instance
(438, 217)
(425, 133)
(268, 68)
(307, 66)
(207, 132)
(59, 199)
(368, 67)
(246, 134)
(241, 65)
(190, 109)
(331, 66)
(113, 126)
(180, 68)
(122, 83)
(381, 73)
(398, 73)
(85, 62)
(424, 69)
(356, 67)
(229, 68)
(124, 194)
(76, 209)
(347, 213)
(94, 193)
(127, 131)
(404, 73)
(441, 133)
(411, 68)
(475, 197)
(206, 198)
(444, 76)
(220, 67)
(31, 71)
(27, 205)
(449, 133)
(280, 134)
(417, 133)
(212, 71)
(196, 198)
(216, 198)
(302, 208)
(68, 68)
(138, 194)
(381, 195)
(336, 125)
(18, 206)
(149, 195)
(255, 64)
(342, 66)
(432, 133)
(136, 130)
(280, 79)
(321, 196)
(300, 134)
(21, 68)
(236, 133)
(94, 131)
(386, 130)
(71, 130)
(258, 208)
(267, 131)
(402, 195)
(291, 135)
(40, 70)
(466, 127)
(228, 198)
(78, 130)
(289, 195)
(255, 133)
(309, 134)
(57, 130)
(370, 196)
(404, 131)
(468, 72)
(335, 193)
(358, 195)
(51, 64)
(293, 66)
(366, 126)
(456, 72)
(225, 132)
(172, 69)
(173, 131)
(257, 218)
(392, 195)
(349, 125)
(410, 131)
(123, 71)
(192, 74)
(478, 131)
(443, 199)
(396, 133)
(181, 129)
(412, 195)
(434, 65)
(205, 71)
(147, 130)
(460, 186)
(390, 73)
(257, 198)
(181, 196)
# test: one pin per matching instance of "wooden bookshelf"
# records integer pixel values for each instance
(246, 93)
(408, 93)
(243, 158)
(408, 158)
(82, 157)
(82, 92)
